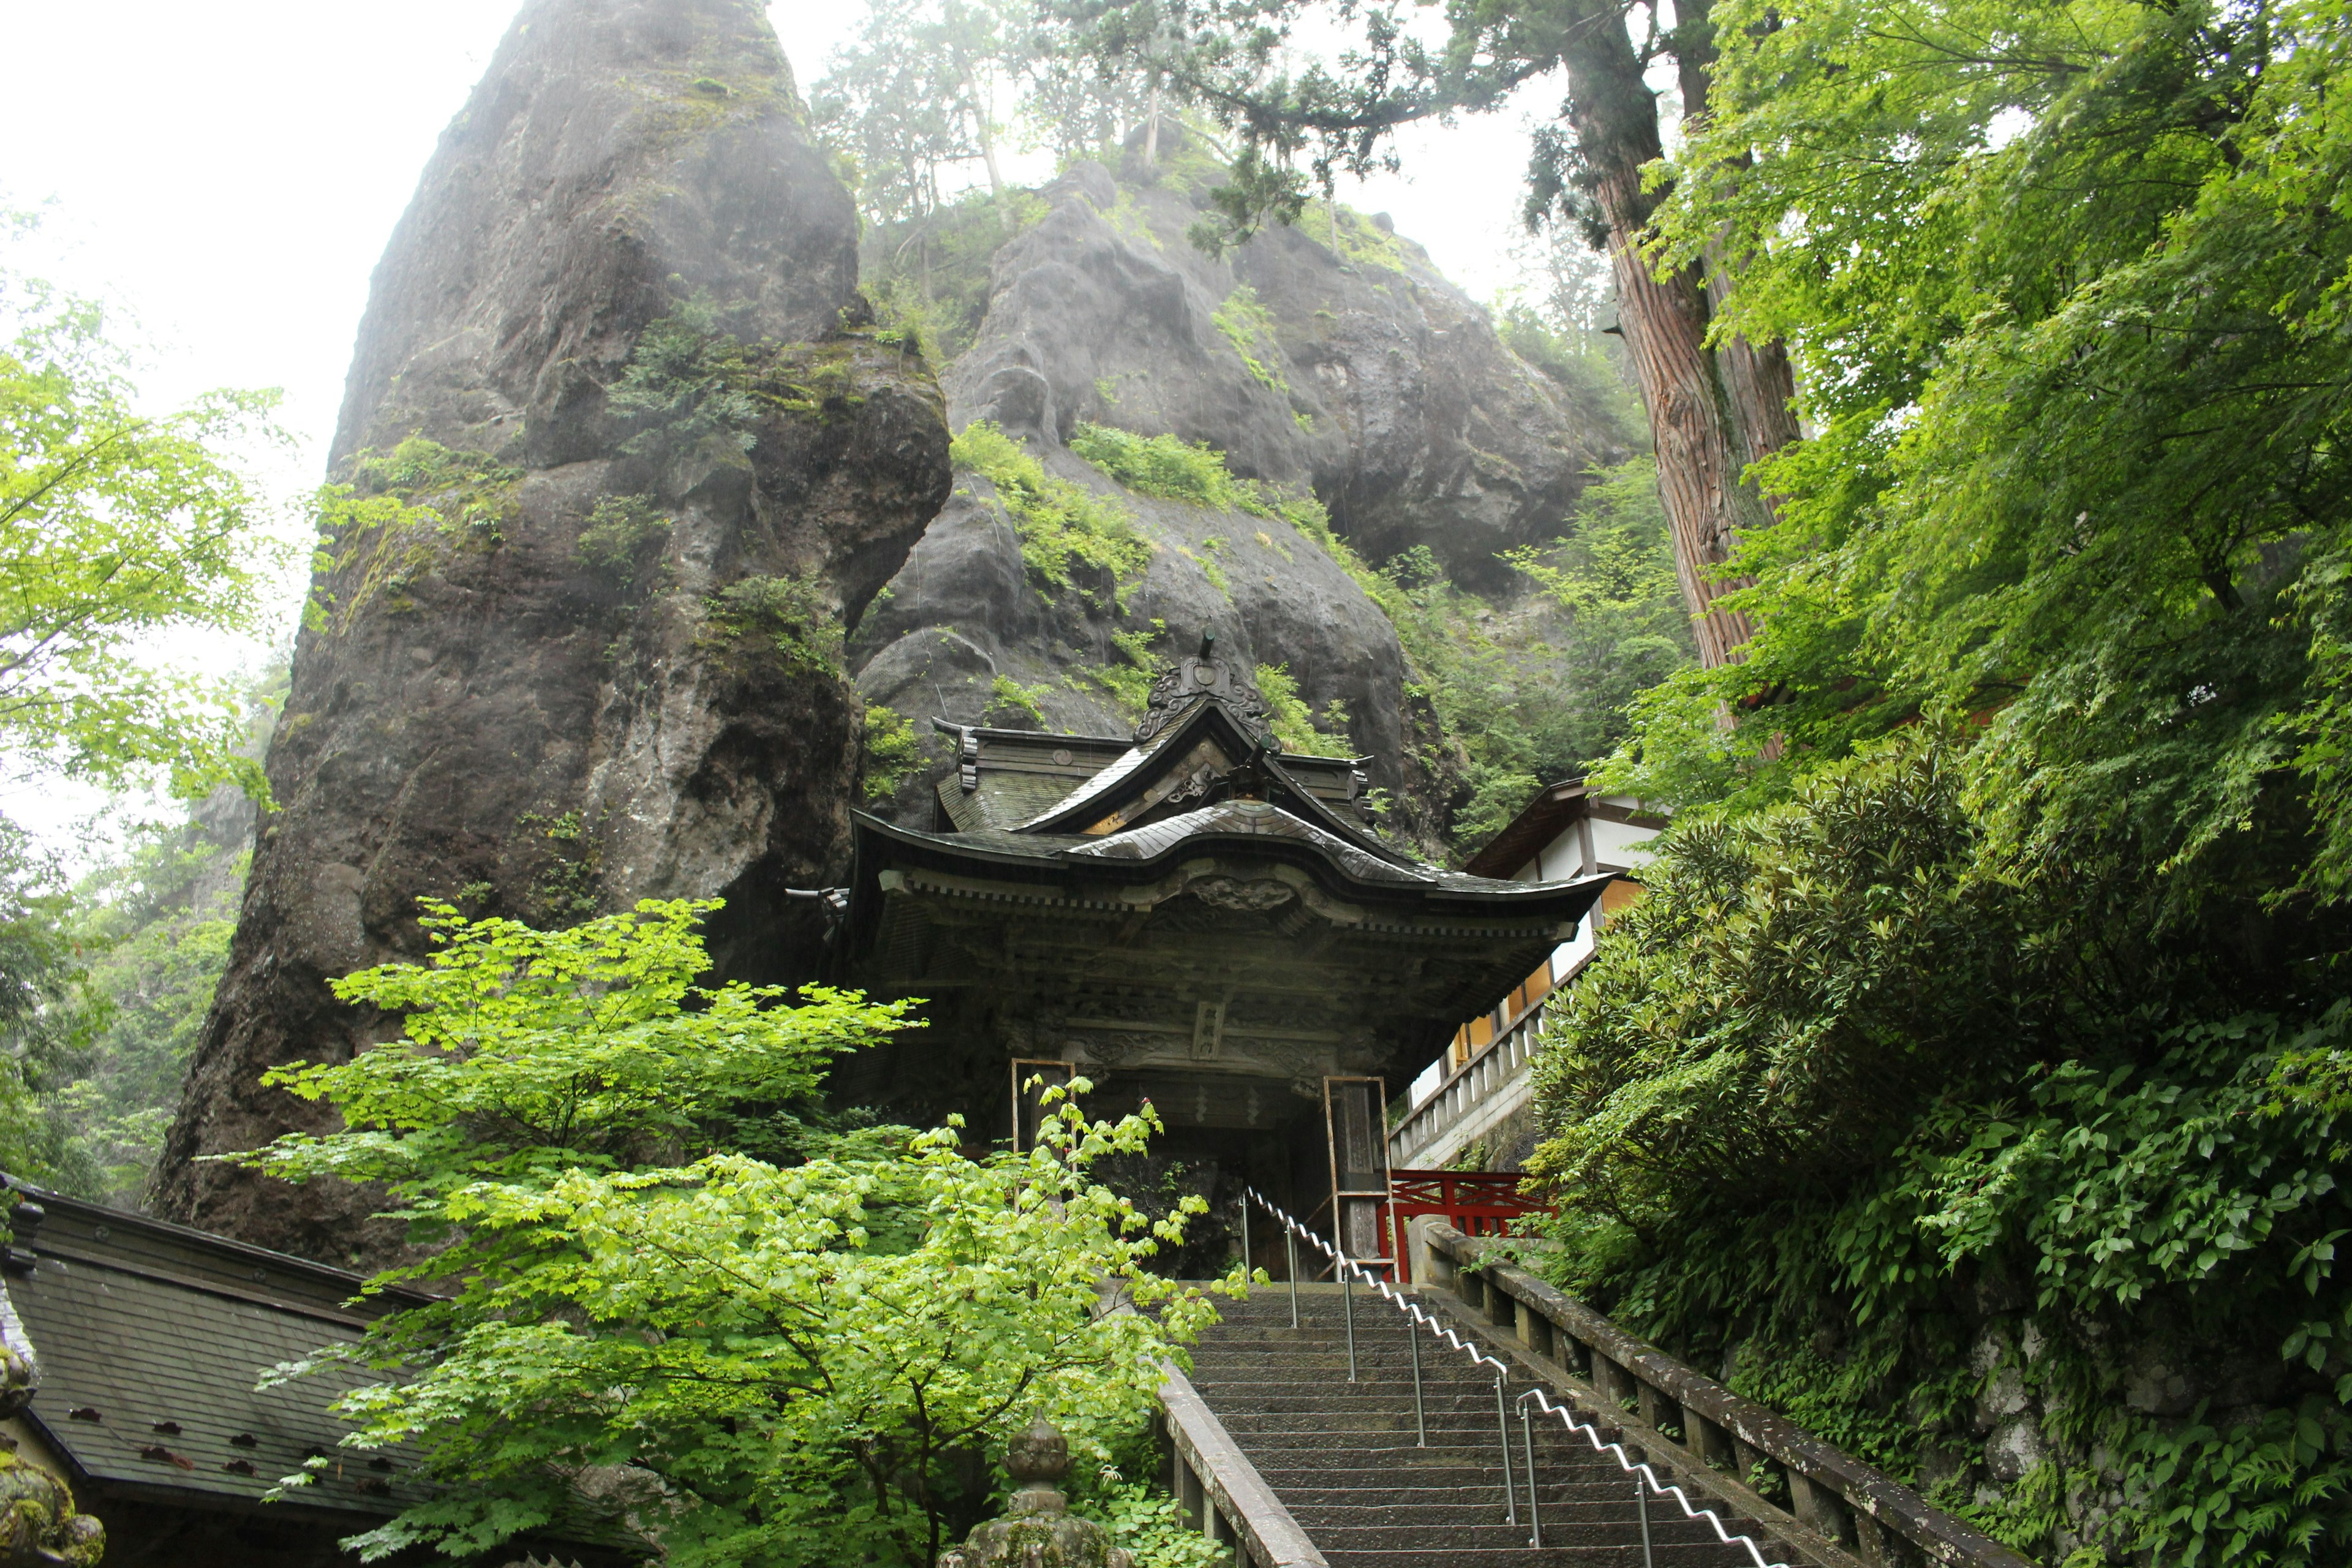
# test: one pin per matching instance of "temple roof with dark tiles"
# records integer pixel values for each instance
(148, 1341)
(1195, 902)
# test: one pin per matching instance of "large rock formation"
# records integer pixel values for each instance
(1328, 359)
(627, 462)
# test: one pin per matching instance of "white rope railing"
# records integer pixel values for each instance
(1418, 1319)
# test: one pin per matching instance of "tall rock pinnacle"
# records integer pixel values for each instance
(624, 462)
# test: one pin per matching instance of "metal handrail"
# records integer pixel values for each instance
(1645, 1479)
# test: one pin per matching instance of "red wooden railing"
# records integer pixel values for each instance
(1476, 1203)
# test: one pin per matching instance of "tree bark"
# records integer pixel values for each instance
(1713, 410)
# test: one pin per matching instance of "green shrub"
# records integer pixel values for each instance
(1010, 702)
(1162, 466)
(1250, 328)
(893, 749)
(1849, 1095)
(620, 534)
(1129, 678)
(1294, 721)
(795, 614)
(1061, 525)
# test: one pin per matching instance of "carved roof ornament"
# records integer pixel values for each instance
(1037, 1530)
(1194, 680)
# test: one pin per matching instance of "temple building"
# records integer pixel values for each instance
(1474, 1108)
(1190, 916)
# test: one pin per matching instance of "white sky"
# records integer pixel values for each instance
(228, 174)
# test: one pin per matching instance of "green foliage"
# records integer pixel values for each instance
(791, 1356)
(795, 614)
(1150, 1525)
(2079, 463)
(1164, 466)
(1294, 722)
(695, 392)
(1250, 328)
(539, 1052)
(49, 1014)
(1844, 1071)
(1014, 704)
(155, 930)
(893, 751)
(1360, 243)
(404, 513)
(1789, 994)
(1258, 192)
(1193, 471)
(1063, 526)
(1129, 678)
(118, 528)
(1615, 574)
(620, 534)
(928, 277)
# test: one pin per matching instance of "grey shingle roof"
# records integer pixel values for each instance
(148, 1340)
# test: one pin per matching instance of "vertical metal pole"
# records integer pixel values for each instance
(1420, 1421)
(1245, 1247)
(1348, 1306)
(1290, 1239)
(1642, 1501)
(1503, 1430)
(1528, 1447)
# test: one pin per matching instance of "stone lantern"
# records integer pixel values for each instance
(1038, 1530)
(39, 1526)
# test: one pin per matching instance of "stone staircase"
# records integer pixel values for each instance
(1342, 1459)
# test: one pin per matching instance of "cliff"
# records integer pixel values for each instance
(1329, 361)
(623, 460)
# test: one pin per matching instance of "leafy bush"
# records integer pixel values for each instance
(795, 615)
(1293, 721)
(1129, 679)
(1846, 1081)
(893, 751)
(1790, 990)
(1250, 328)
(620, 534)
(404, 513)
(1150, 1525)
(1163, 466)
(1061, 525)
(1014, 704)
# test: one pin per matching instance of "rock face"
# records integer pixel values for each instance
(1351, 372)
(627, 463)
(1350, 368)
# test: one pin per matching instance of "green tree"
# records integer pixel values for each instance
(2071, 304)
(48, 1016)
(895, 105)
(1614, 575)
(153, 931)
(118, 526)
(776, 1360)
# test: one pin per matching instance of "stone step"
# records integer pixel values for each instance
(1552, 1557)
(1341, 1455)
(1451, 1536)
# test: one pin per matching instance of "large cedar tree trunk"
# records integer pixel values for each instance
(1713, 410)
